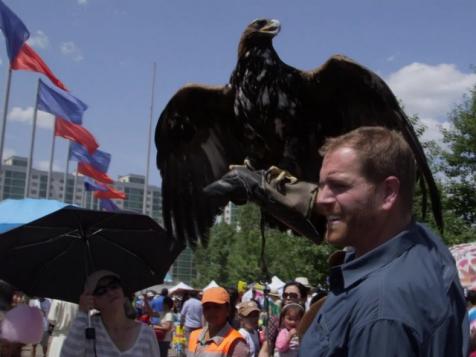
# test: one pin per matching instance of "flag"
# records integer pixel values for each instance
(110, 193)
(91, 185)
(108, 205)
(14, 30)
(74, 132)
(28, 60)
(60, 103)
(99, 160)
(88, 170)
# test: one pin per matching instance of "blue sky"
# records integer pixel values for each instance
(103, 51)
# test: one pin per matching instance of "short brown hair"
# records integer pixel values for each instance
(383, 153)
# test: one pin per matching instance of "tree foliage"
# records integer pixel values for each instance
(460, 159)
(233, 253)
(455, 167)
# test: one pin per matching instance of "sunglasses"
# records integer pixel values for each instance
(101, 290)
(294, 296)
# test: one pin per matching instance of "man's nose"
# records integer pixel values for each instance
(324, 197)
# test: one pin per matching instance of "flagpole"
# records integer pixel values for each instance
(5, 112)
(52, 154)
(32, 144)
(83, 198)
(75, 185)
(66, 171)
(146, 181)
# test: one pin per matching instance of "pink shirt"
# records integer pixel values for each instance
(286, 346)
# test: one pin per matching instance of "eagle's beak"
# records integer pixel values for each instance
(272, 27)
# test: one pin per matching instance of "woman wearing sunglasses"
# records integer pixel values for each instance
(293, 292)
(115, 333)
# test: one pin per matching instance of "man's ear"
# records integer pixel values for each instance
(390, 190)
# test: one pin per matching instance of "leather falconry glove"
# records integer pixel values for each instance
(289, 201)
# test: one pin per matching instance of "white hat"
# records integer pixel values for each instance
(303, 280)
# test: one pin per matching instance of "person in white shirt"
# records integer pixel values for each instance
(60, 317)
(116, 335)
(191, 315)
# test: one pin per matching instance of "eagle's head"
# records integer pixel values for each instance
(259, 32)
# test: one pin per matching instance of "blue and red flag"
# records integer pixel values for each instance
(28, 60)
(110, 193)
(75, 132)
(88, 170)
(91, 185)
(60, 103)
(14, 30)
(99, 160)
(108, 205)
(21, 55)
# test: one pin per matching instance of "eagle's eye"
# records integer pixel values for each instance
(260, 23)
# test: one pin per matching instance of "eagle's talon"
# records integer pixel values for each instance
(280, 176)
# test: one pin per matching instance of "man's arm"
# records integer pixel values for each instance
(388, 338)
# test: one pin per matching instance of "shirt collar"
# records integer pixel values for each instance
(217, 339)
(356, 269)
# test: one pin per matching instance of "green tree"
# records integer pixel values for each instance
(286, 255)
(460, 159)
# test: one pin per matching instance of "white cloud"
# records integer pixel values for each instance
(82, 2)
(391, 58)
(25, 115)
(430, 91)
(70, 49)
(45, 166)
(39, 40)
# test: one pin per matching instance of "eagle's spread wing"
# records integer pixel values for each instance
(196, 139)
(346, 95)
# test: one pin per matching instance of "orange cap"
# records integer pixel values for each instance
(216, 295)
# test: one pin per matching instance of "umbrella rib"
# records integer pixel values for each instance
(69, 234)
(119, 246)
(50, 261)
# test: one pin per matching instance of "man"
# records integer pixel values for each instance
(397, 291)
(191, 314)
(217, 338)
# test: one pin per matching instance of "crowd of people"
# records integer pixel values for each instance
(393, 289)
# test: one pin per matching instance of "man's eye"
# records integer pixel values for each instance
(338, 186)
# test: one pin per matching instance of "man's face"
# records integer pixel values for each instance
(215, 314)
(346, 198)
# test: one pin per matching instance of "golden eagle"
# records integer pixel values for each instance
(271, 114)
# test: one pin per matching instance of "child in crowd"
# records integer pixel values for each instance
(287, 342)
(248, 313)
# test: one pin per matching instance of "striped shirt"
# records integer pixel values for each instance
(77, 345)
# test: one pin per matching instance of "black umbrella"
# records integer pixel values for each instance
(52, 256)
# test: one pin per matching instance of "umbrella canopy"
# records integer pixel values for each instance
(211, 284)
(52, 255)
(465, 256)
(180, 288)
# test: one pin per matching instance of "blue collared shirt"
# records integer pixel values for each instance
(403, 298)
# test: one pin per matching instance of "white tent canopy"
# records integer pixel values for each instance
(276, 284)
(211, 284)
(180, 287)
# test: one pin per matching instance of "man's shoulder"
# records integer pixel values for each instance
(411, 285)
